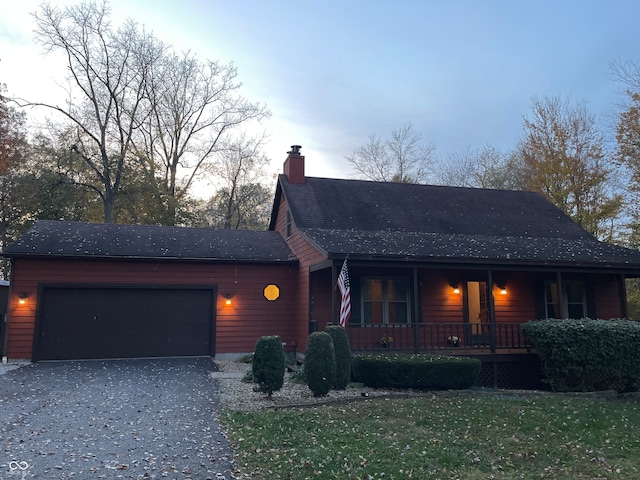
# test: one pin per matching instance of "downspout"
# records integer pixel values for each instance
(416, 312)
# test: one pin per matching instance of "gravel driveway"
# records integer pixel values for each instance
(130, 419)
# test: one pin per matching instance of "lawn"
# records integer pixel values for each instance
(467, 437)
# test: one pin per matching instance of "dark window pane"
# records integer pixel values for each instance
(373, 290)
(574, 292)
(373, 312)
(551, 297)
(576, 310)
(398, 290)
(398, 313)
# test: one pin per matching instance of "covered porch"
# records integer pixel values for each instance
(461, 309)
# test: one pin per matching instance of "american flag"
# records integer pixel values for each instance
(345, 291)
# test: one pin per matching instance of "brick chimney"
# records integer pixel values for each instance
(294, 165)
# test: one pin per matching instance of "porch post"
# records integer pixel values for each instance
(492, 312)
(561, 303)
(334, 293)
(313, 327)
(416, 312)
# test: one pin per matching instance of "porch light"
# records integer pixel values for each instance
(456, 290)
(503, 291)
(227, 299)
(22, 298)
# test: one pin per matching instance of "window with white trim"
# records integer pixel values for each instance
(386, 300)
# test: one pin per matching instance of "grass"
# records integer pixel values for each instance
(466, 437)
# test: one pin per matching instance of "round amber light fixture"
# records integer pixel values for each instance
(271, 292)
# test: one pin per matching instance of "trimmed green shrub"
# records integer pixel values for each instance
(268, 364)
(587, 355)
(343, 355)
(422, 371)
(320, 363)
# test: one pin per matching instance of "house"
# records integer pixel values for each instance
(432, 268)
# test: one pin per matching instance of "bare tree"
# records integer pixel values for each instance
(194, 109)
(106, 93)
(482, 168)
(135, 106)
(564, 157)
(243, 200)
(403, 157)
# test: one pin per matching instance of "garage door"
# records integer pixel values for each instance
(92, 322)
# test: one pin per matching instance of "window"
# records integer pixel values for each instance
(385, 300)
(287, 227)
(574, 300)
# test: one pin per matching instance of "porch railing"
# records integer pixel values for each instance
(433, 336)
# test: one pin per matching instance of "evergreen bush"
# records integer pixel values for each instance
(343, 355)
(320, 363)
(269, 364)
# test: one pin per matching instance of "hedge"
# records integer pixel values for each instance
(421, 371)
(587, 354)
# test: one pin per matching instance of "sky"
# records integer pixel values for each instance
(463, 73)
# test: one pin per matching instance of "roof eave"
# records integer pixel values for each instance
(490, 263)
(86, 256)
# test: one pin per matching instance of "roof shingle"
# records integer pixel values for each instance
(71, 239)
(429, 223)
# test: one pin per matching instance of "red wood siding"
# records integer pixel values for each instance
(439, 303)
(607, 298)
(518, 305)
(238, 325)
(322, 298)
(307, 255)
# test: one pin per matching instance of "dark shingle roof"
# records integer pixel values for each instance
(373, 219)
(72, 239)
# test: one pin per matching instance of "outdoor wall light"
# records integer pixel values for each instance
(503, 289)
(271, 292)
(22, 298)
(456, 286)
(227, 299)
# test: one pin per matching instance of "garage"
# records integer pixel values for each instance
(89, 322)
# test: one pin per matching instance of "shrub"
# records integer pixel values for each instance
(586, 354)
(343, 355)
(423, 372)
(320, 363)
(268, 364)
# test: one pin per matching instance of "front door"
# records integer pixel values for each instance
(476, 314)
